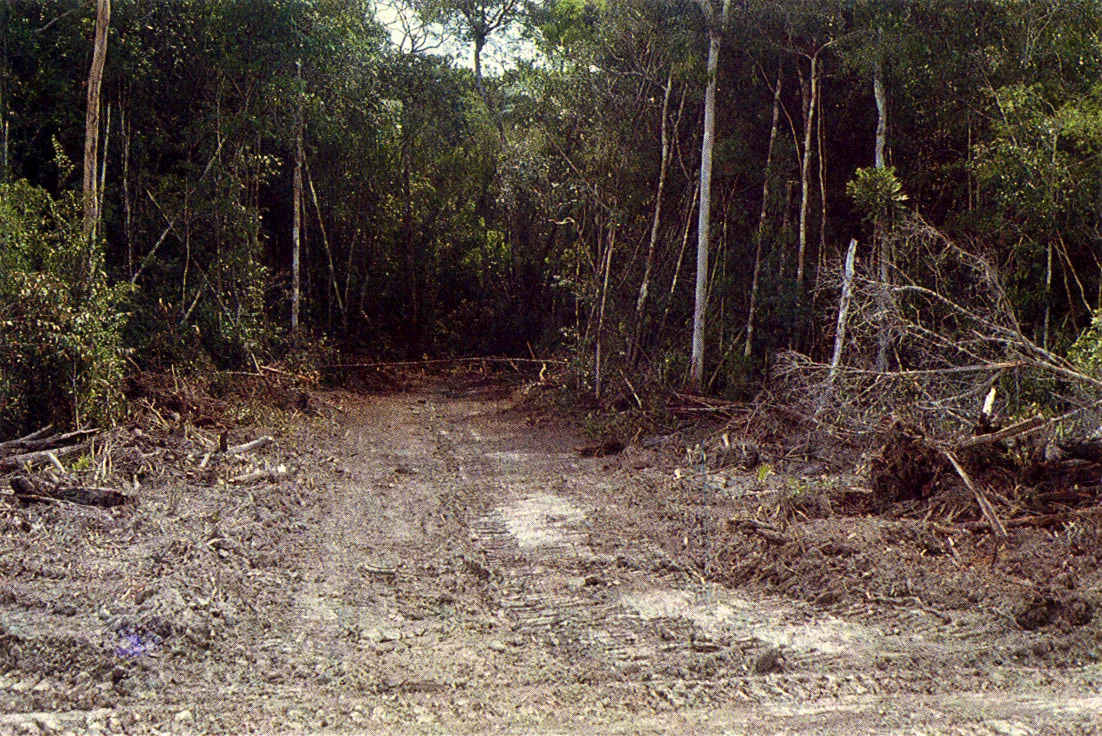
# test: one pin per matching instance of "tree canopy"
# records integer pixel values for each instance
(545, 204)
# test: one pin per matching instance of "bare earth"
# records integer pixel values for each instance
(439, 561)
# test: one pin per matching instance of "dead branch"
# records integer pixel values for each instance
(1024, 427)
(768, 532)
(34, 459)
(955, 333)
(52, 457)
(256, 475)
(985, 505)
(446, 361)
(249, 446)
(285, 374)
(29, 492)
(36, 441)
(18, 443)
(1039, 521)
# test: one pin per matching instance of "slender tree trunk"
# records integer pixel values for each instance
(759, 236)
(1048, 296)
(786, 226)
(882, 114)
(840, 330)
(91, 120)
(102, 186)
(810, 103)
(715, 37)
(127, 204)
(680, 258)
(296, 208)
(348, 280)
(883, 295)
(644, 286)
(598, 366)
(884, 256)
(409, 247)
(480, 84)
(3, 99)
(4, 129)
(324, 240)
(973, 185)
(822, 178)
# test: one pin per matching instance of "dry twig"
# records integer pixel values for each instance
(985, 505)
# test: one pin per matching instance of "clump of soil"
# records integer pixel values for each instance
(904, 469)
(213, 401)
(908, 534)
(184, 398)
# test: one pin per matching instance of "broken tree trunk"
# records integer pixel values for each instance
(37, 441)
(843, 316)
(249, 446)
(29, 492)
(40, 457)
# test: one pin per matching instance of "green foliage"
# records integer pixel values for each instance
(877, 192)
(461, 217)
(1024, 165)
(1086, 353)
(61, 354)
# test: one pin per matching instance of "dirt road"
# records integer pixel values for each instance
(435, 561)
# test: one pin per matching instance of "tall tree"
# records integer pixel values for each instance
(759, 234)
(296, 206)
(656, 222)
(883, 248)
(477, 21)
(92, 118)
(716, 22)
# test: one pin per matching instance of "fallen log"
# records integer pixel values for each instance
(39, 457)
(249, 446)
(1023, 427)
(35, 442)
(18, 442)
(1041, 521)
(985, 505)
(28, 492)
(263, 474)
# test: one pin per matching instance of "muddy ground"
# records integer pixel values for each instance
(439, 557)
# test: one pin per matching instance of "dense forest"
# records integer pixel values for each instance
(662, 193)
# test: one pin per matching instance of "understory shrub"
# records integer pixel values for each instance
(61, 352)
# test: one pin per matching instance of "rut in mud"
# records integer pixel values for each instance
(436, 561)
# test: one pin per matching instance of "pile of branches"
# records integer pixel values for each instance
(932, 368)
(46, 447)
(42, 447)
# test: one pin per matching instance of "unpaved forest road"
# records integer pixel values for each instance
(460, 569)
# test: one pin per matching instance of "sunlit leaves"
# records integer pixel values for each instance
(877, 192)
(61, 352)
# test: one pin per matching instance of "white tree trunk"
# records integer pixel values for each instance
(840, 330)
(703, 227)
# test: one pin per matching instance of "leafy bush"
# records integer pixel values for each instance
(61, 353)
(1086, 353)
(877, 192)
